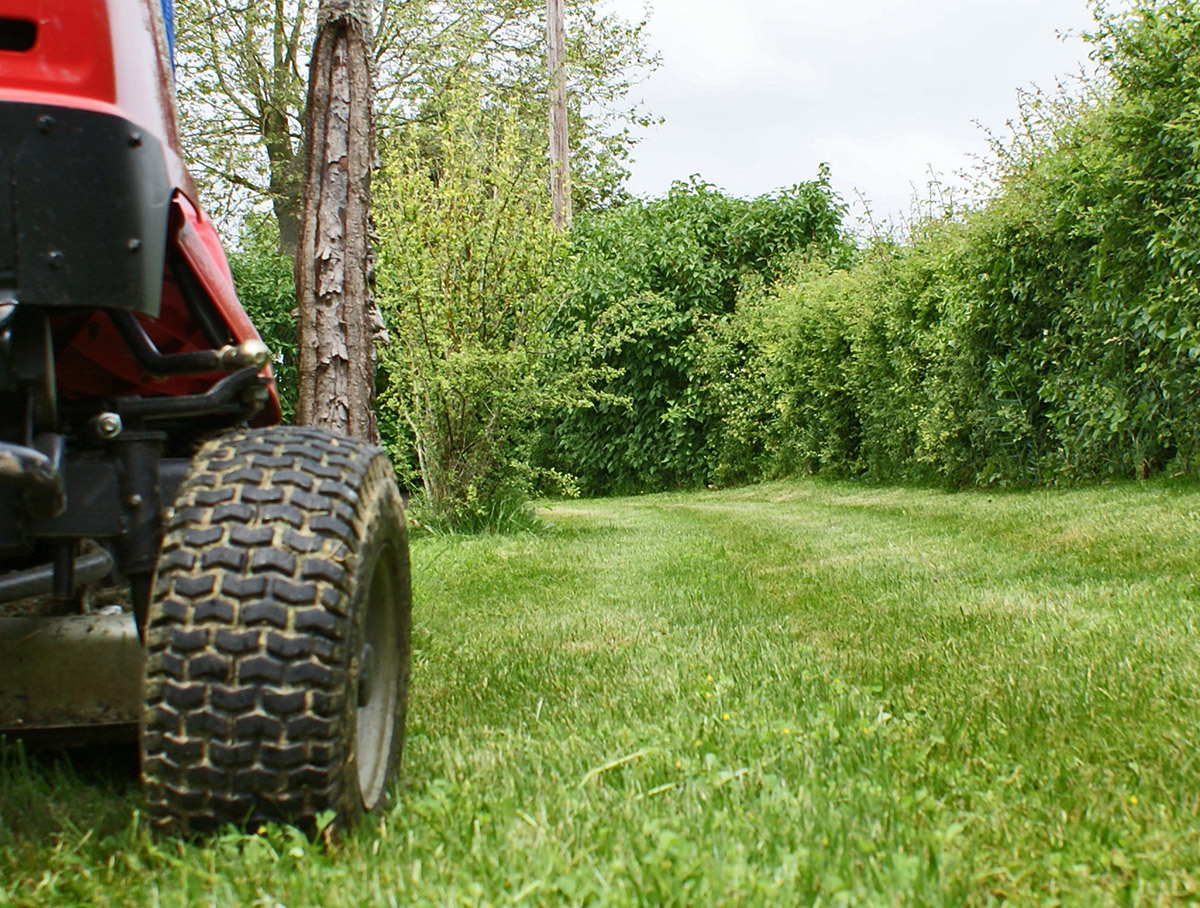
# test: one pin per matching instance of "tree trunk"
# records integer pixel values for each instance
(556, 64)
(286, 188)
(339, 320)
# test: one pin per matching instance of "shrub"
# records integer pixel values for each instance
(267, 290)
(658, 283)
(472, 273)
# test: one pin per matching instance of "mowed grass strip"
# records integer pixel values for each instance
(797, 693)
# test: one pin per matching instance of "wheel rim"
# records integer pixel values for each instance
(378, 681)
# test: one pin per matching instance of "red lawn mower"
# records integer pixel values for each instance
(174, 564)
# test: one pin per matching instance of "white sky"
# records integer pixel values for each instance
(757, 93)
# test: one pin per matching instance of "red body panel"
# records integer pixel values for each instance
(86, 365)
(72, 54)
(111, 56)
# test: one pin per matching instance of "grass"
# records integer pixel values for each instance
(800, 693)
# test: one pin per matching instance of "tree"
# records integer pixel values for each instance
(241, 86)
(560, 158)
(334, 264)
(241, 96)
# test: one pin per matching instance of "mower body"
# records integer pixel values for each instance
(173, 564)
(122, 345)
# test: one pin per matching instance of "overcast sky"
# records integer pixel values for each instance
(757, 93)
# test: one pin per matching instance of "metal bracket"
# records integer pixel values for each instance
(198, 362)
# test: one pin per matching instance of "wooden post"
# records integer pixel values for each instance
(556, 63)
(339, 320)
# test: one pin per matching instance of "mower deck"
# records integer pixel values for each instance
(69, 672)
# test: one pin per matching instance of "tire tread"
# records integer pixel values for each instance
(248, 633)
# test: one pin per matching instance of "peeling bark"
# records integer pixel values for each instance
(339, 319)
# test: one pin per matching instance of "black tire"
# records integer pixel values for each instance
(277, 641)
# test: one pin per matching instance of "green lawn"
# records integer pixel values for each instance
(799, 693)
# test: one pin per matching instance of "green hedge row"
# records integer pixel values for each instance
(1049, 335)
